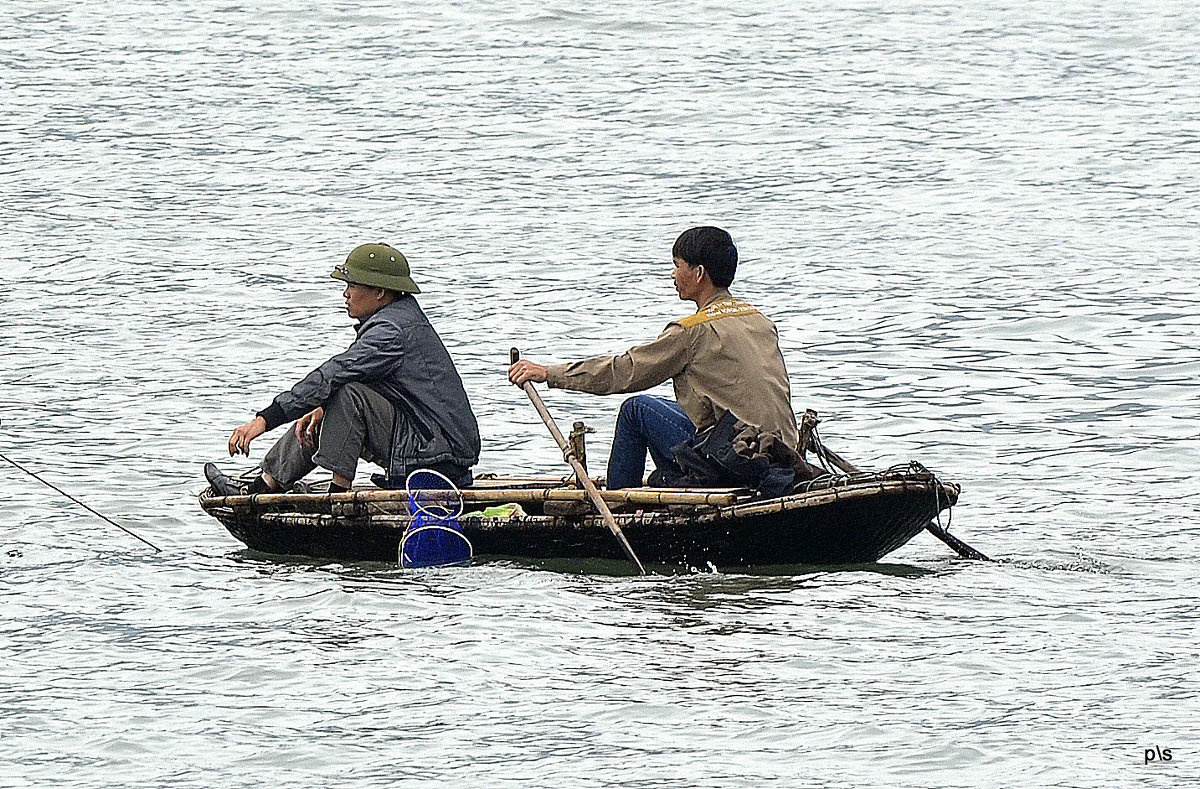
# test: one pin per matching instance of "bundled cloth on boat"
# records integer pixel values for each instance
(509, 510)
(734, 454)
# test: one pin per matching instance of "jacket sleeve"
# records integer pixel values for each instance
(378, 350)
(638, 368)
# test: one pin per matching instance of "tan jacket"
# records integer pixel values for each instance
(723, 358)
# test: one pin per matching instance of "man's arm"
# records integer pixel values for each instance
(371, 356)
(525, 370)
(243, 435)
(638, 368)
(306, 429)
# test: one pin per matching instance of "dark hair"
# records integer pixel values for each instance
(710, 247)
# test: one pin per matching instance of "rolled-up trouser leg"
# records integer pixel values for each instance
(358, 423)
(288, 461)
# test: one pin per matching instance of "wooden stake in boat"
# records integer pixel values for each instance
(578, 442)
(580, 472)
(808, 428)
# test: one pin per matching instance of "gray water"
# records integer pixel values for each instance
(975, 226)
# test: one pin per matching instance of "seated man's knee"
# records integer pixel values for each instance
(631, 409)
(350, 396)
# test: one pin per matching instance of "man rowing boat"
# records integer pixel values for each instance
(724, 358)
(393, 397)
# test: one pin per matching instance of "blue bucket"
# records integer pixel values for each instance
(435, 545)
(434, 538)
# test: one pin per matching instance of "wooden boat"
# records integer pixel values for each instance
(839, 519)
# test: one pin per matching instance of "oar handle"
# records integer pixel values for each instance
(514, 356)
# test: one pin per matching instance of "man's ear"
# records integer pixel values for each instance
(699, 272)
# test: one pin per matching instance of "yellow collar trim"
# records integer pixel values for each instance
(726, 308)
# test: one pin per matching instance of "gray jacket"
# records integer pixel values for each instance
(398, 354)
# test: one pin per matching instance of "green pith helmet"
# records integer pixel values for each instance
(378, 266)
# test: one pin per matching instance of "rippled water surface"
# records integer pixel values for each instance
(974, 225)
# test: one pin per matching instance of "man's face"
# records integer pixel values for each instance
(362, 301)
(687, 279)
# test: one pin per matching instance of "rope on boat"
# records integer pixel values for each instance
(819, 448)
(937, 493)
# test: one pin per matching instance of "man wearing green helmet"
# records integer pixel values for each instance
(393, 397)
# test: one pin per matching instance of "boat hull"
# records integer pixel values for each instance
(847, 521)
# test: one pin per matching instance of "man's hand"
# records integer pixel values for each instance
(526, 370)
(306, 427)
(241, 438)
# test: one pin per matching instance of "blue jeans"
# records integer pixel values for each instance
(646, 423)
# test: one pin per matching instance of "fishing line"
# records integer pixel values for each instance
(99, 515)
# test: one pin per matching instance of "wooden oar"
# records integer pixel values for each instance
(957, 545)
(577, 467)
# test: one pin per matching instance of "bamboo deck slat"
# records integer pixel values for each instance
(820, 496)
(636, 496)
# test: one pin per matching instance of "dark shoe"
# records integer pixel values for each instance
(222, 484)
